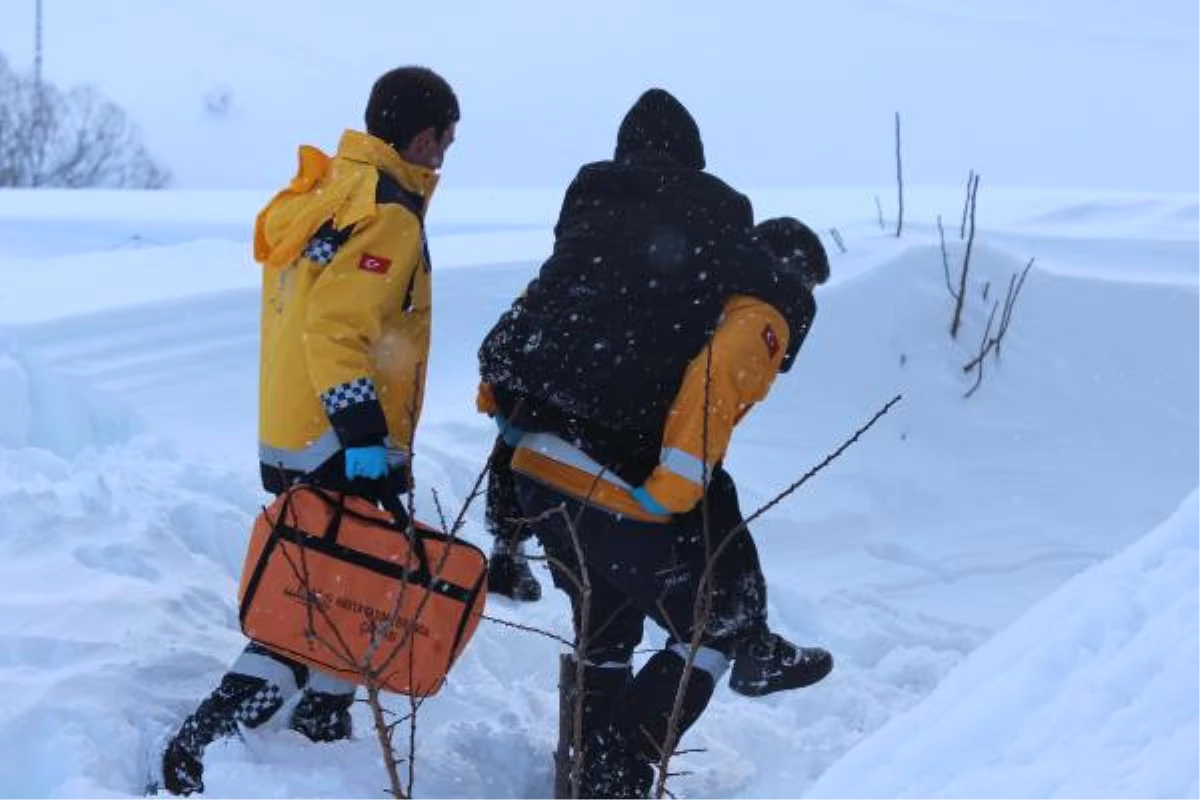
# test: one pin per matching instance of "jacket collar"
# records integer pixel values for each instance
(366, 149)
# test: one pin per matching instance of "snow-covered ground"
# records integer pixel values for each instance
(1098, 708)
(1009, 583)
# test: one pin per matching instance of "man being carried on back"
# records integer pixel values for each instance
(618, 377)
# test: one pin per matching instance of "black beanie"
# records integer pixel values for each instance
(660, 123)
(796, 247)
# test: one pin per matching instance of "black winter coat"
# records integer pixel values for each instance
(646, 254)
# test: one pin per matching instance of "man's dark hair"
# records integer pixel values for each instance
(796, 247)
(408, 100)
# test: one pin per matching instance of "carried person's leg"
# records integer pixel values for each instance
(763, 661)
(508, 569)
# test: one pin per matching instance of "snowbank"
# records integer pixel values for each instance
(58, 412)
(1092, 693)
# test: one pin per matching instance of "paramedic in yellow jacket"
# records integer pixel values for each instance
(660, 318)
(345, 340)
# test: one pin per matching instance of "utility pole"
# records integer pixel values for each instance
(39, 99)
(37, 43)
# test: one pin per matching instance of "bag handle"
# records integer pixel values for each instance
(391, 503)
(403, 524)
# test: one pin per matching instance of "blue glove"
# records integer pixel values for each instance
(366, 462)
(647, 502)
(510, 433)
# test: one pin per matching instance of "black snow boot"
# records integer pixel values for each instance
(604, 692)
(613, 767)
(183, 774)
(239, 700)
(769, 663)
(509, 573)
(323, 717)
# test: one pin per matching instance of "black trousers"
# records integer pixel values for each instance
(640, 570)
(634, 571)
(503, 509)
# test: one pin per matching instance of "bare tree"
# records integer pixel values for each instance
(72, 139)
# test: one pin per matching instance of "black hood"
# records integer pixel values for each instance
(659, 123)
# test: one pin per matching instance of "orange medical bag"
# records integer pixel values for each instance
(331, 581)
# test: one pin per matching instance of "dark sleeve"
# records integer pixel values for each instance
(743, 211)
(570, 198)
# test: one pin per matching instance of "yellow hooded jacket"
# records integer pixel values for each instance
(346, 305)
(733, 372)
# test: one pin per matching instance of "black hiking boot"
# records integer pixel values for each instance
(323, 717)
(509, 574)
(183, 774)
(771, 663)
(239, 700)
(613, 768)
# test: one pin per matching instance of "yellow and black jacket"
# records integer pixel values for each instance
(346, 303)
(734, 371)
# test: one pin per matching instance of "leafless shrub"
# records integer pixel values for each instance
(69, 139)
(569, 750)
(989, 343)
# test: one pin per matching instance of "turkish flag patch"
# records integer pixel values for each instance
(771, 340)
(377, 264)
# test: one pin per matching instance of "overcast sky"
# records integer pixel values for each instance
(1039, 92)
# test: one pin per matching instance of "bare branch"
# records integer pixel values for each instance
(960, 296)
(1010, 301)
(879, 213)
(985, 345)
(383, 731)
(581, 643)
(825, 462)
(437, 504)
(991, 344)
(945, 258)
(702, 605)
(529, 629)
(837, 239)
(962, 230)
(372, 673)
(568, 774)
(899, 181)
(414, 705)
